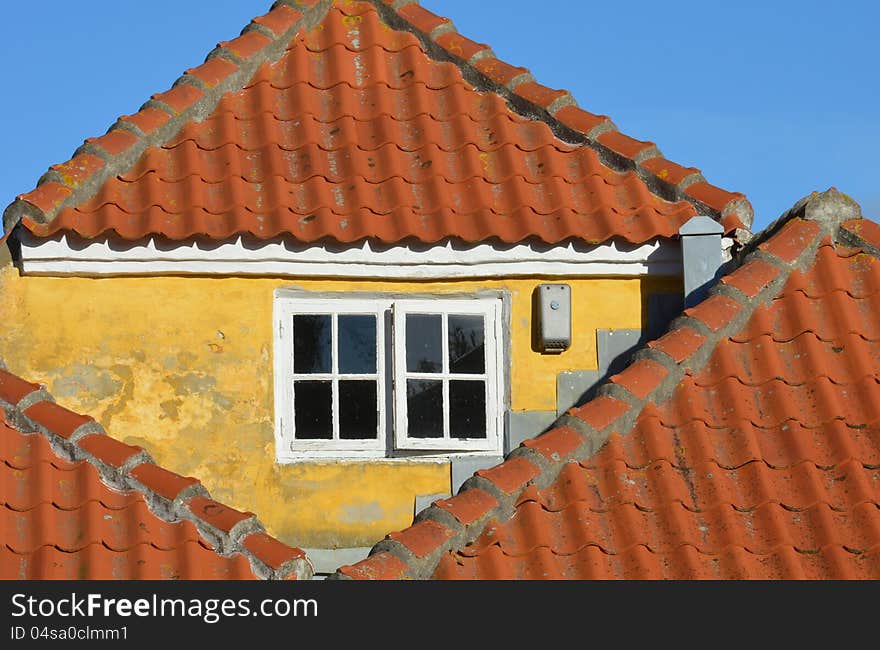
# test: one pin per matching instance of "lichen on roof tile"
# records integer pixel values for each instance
(359, 118)
(760, 461)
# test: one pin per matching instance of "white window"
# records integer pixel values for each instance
(380, 377)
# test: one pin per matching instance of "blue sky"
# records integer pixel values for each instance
(772, 99)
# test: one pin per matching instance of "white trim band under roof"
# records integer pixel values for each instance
(67, 254)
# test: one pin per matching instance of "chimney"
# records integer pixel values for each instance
(700, 256)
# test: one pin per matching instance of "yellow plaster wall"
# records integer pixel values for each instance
(183, 367)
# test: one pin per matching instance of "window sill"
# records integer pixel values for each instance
(341, 457)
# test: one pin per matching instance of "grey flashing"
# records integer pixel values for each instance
(463, 467)
(614, 348)
(662, 310)
(573, 387)
(701, 257)
(327, 560)
(522, 425)
(423, 501)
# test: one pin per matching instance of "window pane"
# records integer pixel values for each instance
(467, 409)
(424, 408)
(313, 410)
(358, 406)
(467, 352)
(424, 334)
(311, 343)
(357, 343)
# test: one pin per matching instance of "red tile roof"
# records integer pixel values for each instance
(744, 443)
(355, 120)
(78, 504)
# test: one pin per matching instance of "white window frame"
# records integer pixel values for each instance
(390, 315)
(288, 447)
(491, 311)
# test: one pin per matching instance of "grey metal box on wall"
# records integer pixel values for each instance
(554, 317)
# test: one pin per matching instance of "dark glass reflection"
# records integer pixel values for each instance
(467, 352)
(358, 409)
(313, 410)
(467, 409)
(357, 343)
(424, 341)
(312, 340)
(424, 408)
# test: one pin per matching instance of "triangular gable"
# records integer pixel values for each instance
(347, 121)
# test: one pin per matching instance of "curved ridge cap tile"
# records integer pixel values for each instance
(378, 566)
(732, 207)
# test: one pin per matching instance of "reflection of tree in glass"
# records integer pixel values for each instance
(461, 342)
(466, 344)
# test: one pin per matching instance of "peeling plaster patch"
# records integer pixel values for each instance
(170, 408)
(170, 362)
(221, 400)
(361, 513)
(193, 383)
(123, 396)
(81, 380)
